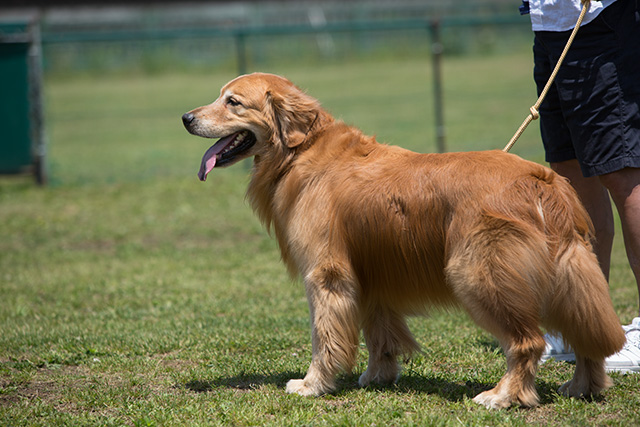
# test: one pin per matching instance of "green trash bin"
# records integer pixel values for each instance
(22, 148)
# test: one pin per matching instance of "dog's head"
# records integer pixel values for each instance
(256, 114)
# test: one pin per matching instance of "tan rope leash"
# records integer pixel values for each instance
(533, 114)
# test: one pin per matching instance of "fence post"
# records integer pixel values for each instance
(36, 108)
(436, 60)
(241, 52)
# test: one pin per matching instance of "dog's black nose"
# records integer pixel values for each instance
(187, 118)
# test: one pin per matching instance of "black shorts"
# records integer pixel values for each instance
(592, 111)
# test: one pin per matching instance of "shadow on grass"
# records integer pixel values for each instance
(407, 384)
(458, 391)
(248, 381)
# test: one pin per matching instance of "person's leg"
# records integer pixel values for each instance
(624, 187)
(595, 198)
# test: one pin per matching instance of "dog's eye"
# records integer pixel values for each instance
(234, 102)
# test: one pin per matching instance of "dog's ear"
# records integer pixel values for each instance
(293, 114)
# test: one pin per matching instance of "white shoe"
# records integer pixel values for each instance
(627, 360)
(557, 349)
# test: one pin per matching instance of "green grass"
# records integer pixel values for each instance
(132, 294)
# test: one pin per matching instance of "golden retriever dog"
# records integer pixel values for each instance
(378, 233)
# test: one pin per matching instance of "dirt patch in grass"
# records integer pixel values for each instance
(46, 385)
(80, 389)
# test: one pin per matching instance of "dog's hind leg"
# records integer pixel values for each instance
(499, 273)
(333, 305)
(387, 337)
(517, 386)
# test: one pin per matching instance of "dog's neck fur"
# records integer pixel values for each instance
(270, 169)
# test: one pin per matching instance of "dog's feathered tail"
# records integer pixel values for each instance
(579, 303)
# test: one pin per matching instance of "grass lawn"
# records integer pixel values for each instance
(132, 294)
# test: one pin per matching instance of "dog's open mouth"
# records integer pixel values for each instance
(225, 151)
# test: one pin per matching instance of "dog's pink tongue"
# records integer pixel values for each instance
(209, 158)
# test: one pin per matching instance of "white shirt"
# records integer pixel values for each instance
(562, 15)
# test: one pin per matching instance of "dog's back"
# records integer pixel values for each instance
(399, 216)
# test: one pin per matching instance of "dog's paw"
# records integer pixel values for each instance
(574, 388)
(585, 387)
(567, 390)
(365, 379)
(493, 400)
(301, 388)
(378, 377)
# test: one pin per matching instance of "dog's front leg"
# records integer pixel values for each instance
(334, 313)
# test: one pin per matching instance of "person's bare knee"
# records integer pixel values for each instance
(623, 185)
